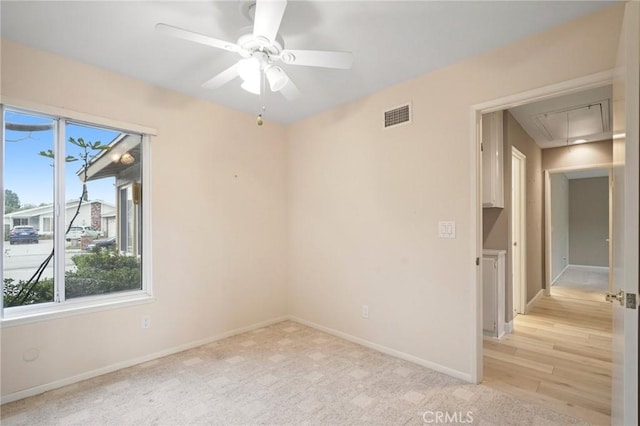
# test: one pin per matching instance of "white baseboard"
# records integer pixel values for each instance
(533, 301)
(559, 275)
(131, 362)
(386, 350)
(36, 390)
(508, 327)
(590, 268)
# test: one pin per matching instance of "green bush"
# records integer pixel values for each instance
(102, 272)
(15, 293)
(98, 272)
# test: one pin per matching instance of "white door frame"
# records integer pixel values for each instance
(519, 227)
(475, 163)
(548, 246)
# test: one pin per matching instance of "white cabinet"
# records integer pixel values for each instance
(493, 290)
(492, 160)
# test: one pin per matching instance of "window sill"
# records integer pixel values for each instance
(55, 310)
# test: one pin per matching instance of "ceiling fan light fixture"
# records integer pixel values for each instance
(249, 69)
(277, 78)
(252, 86)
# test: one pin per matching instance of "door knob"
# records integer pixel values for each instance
(619, 296)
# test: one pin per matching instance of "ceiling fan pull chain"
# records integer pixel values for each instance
(263, 87)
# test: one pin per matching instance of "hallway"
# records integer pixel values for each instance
(559, 355)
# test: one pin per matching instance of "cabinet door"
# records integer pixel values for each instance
(492, 160)
(489, 294)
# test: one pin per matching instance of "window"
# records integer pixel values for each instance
(47, 225)
(77, 185)
(18, 221)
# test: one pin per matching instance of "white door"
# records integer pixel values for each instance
(518, 230)
(626, 107)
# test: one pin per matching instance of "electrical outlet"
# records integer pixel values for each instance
(146, 321)
(365, 311)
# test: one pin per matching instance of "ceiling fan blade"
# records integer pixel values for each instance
(317, 58)
(290, 91)
(222, 78)
(197, 38)
(268, 17)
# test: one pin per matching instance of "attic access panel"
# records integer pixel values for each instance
(575, 123)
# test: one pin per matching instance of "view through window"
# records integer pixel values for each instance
(72, 210)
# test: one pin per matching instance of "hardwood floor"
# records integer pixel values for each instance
(559, 355)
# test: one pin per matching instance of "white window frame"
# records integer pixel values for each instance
(18, 315)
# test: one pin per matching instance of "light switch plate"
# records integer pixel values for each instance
(447, 229)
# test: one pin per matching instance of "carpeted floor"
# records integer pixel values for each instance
(284, 374)
(584, 278)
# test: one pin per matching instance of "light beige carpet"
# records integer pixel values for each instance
(284, 374)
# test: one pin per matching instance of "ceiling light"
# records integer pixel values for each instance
(249, 71)
(127, 159)
(251, 86)
(277, 77)
(580, 141)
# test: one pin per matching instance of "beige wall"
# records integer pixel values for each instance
(364, 203)
(576, 156)
(589, 221)
(219, 224)
(559, 186)
(358, 207)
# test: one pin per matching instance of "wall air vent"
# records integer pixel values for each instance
(397, 116)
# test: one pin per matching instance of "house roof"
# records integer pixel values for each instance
(109, 162)
(48, 209)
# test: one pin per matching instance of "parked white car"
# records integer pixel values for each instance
(77, 232)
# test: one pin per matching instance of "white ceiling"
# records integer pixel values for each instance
(582, 116)
(392, 41)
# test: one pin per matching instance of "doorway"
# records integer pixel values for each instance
(533, 361)
(518, 229)
(578, 230)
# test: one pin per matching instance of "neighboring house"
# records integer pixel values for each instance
(95, 213)
(122, 162)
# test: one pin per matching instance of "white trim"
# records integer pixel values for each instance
(533, 301)
(134, 361)
(548, 247)
(475, 273)
(580, 168)
(508, 327)
(575, 85)
(520, 306)
(76, 116)
(385, 350)
(146, 203)
(589, 267)
(2, 131)
(559, 275)
(29, 314)
(476, 244)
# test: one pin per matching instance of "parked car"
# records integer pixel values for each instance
(23, 234)
(105, 243)
(77, 232)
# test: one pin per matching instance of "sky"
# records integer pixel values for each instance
(30, 175)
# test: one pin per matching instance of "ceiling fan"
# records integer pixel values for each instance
(261, 48)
